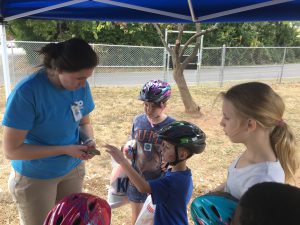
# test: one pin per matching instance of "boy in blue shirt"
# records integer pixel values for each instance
(172, 192)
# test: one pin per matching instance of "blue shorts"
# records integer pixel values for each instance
(132, 192)
(134, 195)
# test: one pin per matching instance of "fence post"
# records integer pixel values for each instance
(282, 66)
(200, 52)
(168, 62)
(4, 57)
(221, 78)
(94, 83)
(13, 64)
(165, 56)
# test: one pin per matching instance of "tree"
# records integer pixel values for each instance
(91, 31)
(177, 53)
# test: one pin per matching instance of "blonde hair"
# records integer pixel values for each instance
(260, 102)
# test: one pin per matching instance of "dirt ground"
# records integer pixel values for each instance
(112, 117)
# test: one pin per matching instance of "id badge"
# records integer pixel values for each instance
(76, 112)
(147, 147)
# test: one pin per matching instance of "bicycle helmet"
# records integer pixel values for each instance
(183, 134)
(213, 209)
(80, 209)
(155, 91)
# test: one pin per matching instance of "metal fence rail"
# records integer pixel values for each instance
(132, 65)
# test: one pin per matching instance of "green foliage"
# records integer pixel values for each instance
(254, 34)
(91, 31)
(144, 34)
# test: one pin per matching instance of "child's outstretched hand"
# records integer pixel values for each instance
(115, 153)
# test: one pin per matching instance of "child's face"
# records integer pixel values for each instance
(167, 151)
(232, 124)
(152, 110)
(236, 216)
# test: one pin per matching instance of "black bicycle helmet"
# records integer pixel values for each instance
(183, 134)
(155, 91)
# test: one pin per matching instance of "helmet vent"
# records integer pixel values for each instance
(74, 197)
(204, 213)
(77, 221)
(92, 206)
(214, 209)
(59, 220)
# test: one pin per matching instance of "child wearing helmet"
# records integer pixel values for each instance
(253, 116)
(172, 192)
(145, 154)
(80, 209)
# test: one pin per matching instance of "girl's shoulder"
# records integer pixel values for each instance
(261, 167)
(140, 117)
(170, 119)
(140, 121)
(166, 121)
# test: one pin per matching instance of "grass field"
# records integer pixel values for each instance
(115, 109)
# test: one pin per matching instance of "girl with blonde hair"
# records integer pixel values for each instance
(253, 115)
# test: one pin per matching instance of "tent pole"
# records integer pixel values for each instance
(241, 9)
(144, 9)
(5, 61)
(45, 9)
(192, 10)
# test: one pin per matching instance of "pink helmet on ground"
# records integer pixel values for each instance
(80, 209)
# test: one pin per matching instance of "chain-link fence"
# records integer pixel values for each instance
(134, 65)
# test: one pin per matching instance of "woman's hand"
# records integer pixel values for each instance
(78, 151)
(91, 144)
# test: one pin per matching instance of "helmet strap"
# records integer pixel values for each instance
(177, 160)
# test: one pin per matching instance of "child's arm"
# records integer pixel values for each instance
(141, 184)
(221, 187)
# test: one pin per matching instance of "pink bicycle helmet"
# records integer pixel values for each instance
(80, 209)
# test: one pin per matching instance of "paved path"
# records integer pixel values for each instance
(212, 74)
(206, 74)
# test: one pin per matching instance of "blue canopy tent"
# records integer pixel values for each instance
(164, 11)
(158, 11)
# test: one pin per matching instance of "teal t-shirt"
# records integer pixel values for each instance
(44, 110)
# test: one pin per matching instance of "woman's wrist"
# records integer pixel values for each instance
(86, 141)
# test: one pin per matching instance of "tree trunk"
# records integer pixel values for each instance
(189, 104)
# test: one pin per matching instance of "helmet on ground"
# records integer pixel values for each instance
(213, 209)
(155, 91)
(80, 209)
(184, 134)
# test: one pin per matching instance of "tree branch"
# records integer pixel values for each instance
(161, 36)
(198, 34)
(180, 32)
(191, 56)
